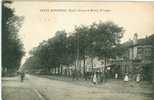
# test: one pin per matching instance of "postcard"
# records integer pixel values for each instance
(77, 50)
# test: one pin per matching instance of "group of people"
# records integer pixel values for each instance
(138, 78)
(126, 78)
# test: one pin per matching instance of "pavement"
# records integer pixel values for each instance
(45, 88)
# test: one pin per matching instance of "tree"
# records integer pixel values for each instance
(52, 53)
(104, 38)
(96, 40)
(82, 42)
(153, 61)
(150, 40)
(107, 35)
(12, 47)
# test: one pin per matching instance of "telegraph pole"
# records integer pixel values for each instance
(77, 56)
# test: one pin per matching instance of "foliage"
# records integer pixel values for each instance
(12, 48)
(105, 37)
(86, 41)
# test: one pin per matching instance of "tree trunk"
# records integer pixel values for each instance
(55, 70)
(92, 63)
(84, 65)
(105, 73)
(61, 69)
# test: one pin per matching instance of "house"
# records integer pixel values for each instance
(136, 59)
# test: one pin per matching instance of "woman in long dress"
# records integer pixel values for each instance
(126, 79)
(116, 75)
(138, 78)
(95, 79)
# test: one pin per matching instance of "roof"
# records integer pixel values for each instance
(143, 41)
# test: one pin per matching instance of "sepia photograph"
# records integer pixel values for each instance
(77, 50)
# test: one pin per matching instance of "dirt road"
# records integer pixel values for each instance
(36, 88)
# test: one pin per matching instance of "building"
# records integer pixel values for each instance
(136, 59)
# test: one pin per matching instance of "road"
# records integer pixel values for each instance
(39, 88)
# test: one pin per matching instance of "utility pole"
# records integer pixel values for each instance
(77, 55)
(77, 50)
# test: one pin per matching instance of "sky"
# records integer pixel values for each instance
(43, 19)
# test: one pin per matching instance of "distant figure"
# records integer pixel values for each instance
(94, 79)
(126, 79)
(73, 74)
(116, 75)
(22, 76)
(138, 78)
(27, 76)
